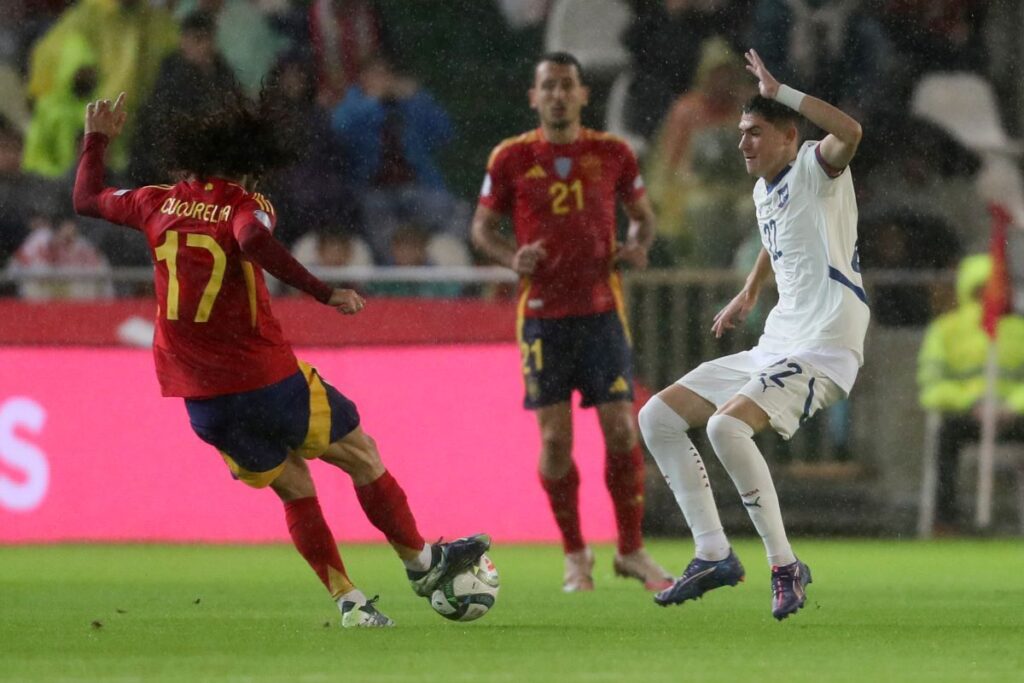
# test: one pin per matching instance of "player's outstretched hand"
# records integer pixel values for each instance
(103, 117)
(735, 311)
(632, 253)
(346, 301)
(526, 259)
(767, 85)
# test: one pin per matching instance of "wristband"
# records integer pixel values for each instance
(791, 97)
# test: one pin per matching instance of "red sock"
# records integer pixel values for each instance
(386, 507)
(564, 498)
(624, 476)
(314, 541)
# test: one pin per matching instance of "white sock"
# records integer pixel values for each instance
(355, 595)
(734, 444)
(664, 433)
(421, 562)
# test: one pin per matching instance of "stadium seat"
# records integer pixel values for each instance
(592, 31)
(615, 113)
(1009, 458)
(964, 104)
(445, 250)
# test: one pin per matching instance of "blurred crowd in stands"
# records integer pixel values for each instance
(934, 82)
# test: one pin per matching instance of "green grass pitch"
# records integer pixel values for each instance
(877, 611)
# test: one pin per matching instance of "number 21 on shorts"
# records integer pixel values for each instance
(533, 356)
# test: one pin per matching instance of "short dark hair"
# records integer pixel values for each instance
(237, 137)
(199, 21)
(563, 59)
(771, 110)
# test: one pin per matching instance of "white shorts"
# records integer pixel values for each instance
(789, 389)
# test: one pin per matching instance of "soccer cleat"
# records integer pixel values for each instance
(788, 594)
(701, 576)
(579, 571)
(448, 560)
(640, 565)
(366, 615)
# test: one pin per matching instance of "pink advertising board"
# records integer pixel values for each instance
(90, 451)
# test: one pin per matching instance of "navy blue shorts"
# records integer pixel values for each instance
(588, 353)
(256, 430)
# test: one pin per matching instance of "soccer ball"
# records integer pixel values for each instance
(470, 594)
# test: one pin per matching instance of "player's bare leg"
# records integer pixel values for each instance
(385, 505)
(315, 542)
(561, 482)
(664, 421)
(624, 477)
(731, 432)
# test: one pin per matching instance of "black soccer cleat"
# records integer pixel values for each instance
(448, 560)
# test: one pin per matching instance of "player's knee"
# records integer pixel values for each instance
(657, 420)
(556, 444)
(722, 428)
(620, 434)
(356, 454)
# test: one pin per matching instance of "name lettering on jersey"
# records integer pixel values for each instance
(200, 211)
(536, 172)
(563, 166)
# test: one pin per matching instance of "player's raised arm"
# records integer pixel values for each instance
(103, 122)
(844, 132)
(103, 117)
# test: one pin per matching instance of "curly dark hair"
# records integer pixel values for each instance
(239, 137)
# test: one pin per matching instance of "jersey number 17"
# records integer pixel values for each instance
(168, 251)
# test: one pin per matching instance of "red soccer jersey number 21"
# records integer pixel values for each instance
(565, 195)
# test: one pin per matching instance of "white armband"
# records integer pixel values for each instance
(791, 97)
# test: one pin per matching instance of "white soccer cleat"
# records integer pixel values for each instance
(579, 571)
(641, 566)
(366, 615)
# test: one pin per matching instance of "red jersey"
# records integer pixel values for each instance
(565, 195)
(215, 332)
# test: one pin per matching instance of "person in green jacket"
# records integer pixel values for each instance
(51, 143)
(126, 39)
(951, 376)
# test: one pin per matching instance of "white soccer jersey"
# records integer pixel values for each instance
(808, 225)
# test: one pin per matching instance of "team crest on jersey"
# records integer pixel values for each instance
(591, 167)
(783, 196)
(563, 166)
